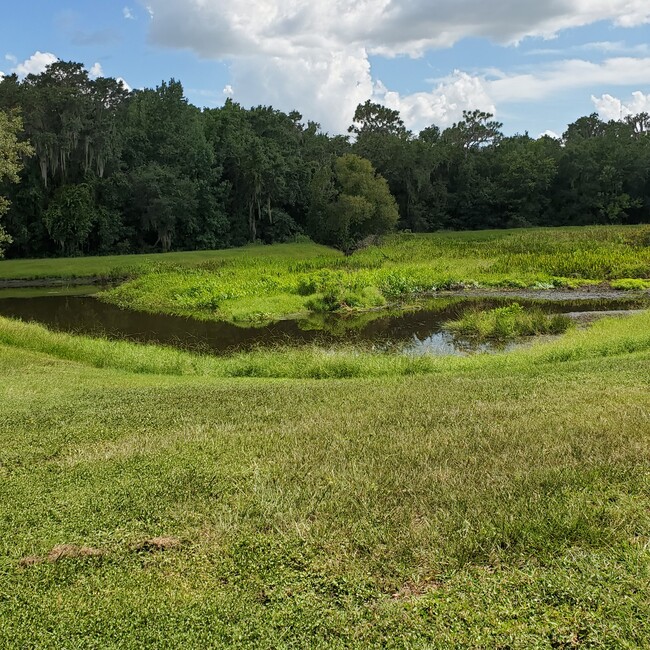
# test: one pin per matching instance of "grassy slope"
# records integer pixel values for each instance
(120, 265)
(498, 502)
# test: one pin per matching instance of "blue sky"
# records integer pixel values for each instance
(537, 66)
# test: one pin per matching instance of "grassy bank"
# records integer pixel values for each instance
(606, 338)
(149, 500)
(250, 291)
(119, 266)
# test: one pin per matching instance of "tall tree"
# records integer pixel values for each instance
(350, 202)
(12, 151)
(376, 119)
(70, 217)
(476, 129)
(523, 171)
(172, 187)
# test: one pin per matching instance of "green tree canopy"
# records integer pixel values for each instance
(11, 153)
(350, 201)
(476, 129)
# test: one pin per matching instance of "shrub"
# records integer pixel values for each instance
(333, 300)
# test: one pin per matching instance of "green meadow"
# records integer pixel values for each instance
(252, 289)
(331, 498)
(110, 267)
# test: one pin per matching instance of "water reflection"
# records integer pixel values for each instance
(445, 343)
(411, 332)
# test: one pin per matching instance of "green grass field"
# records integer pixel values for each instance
(256, 290)
(299, 498)
(117, 266)
(495, 501)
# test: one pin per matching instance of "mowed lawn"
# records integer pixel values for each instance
(486, 505)
(120, 265)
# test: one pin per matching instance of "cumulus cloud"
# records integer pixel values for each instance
(315, 55)
(612, 108)
(443, 105)
(327, 87)
(96, 71)
(228, 91)
(128, 14)
(550, 134)
(460, 91)
(35, 64)
(226, 28)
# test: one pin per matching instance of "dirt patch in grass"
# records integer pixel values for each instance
(413, 590)
(67, 551)
(62, 552)
(156, 544)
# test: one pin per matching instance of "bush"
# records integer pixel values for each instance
(333, 300)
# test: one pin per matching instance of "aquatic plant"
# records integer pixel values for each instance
(503, 323)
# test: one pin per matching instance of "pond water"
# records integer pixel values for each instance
(412, 332)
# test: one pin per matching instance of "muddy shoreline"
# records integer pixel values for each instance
(597, 292)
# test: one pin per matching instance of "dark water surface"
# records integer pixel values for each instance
(415, 332)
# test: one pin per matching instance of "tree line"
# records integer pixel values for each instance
(106, 170)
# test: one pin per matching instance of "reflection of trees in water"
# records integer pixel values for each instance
(417, 331)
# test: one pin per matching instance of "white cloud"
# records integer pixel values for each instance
(36, 64)
(550, 134)
(567, 75)
(96, 71)
(616, 47)
(314, 55)
(443, 105)
(327, 87)
(126, 85)
(460, 91)
(226, 28)
(612, 108)
(11, 58)
(228, 91)
(603, 47)
(128, 14)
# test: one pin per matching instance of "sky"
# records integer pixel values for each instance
(537, 65)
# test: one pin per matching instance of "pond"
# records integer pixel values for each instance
(418, 331)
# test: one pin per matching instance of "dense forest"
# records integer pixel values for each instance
(116, 171)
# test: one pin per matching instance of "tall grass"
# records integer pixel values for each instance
(512, 321)
(119, 266)
(403, 267)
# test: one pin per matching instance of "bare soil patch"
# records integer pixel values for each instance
(156, 544)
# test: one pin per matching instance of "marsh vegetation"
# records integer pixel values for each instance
(258, 288)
